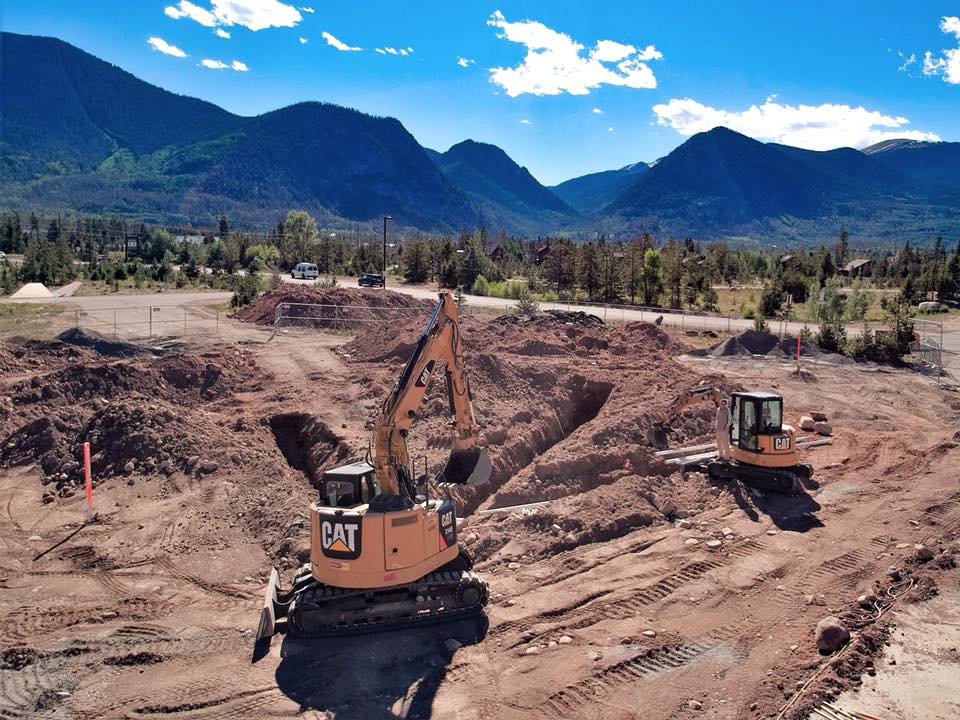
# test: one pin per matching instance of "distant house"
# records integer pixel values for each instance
(498, 253)
(189, 239)
(860, 267)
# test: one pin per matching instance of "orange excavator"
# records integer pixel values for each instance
(763, 448)
(383, 555)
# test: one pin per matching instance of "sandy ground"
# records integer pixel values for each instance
(601, 606)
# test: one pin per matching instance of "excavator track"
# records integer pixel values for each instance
(323, 611)
(788, 481)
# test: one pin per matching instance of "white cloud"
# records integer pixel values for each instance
(308, 10)
(251, 14)
(609, 129)
(220, 65)
(303, 40)
(946, 64)
(464, 62)
(524, 122)
(338, 44)
(555, 62)
(395, 51)
(194, 12)
(166, 48)
(597, 111)
(816, 127)
(223, 33)
(907, 61)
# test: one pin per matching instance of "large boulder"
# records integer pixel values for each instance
(823, 428)
(831, 634)
(807, 423)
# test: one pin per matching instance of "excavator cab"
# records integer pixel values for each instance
(756, 415)
(349, 485)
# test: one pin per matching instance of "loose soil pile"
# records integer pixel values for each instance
(750, 343)
(355, 305)
(107, 347)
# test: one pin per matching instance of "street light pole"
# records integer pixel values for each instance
(385, 218)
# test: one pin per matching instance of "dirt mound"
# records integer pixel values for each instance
(103, 345)
(355, 306)
(176, 378)
(563, 317)
(22, 355)
(750, 343)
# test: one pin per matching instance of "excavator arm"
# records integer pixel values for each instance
(439, 345)
(686, 399)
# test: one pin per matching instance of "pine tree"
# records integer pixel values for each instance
(841, 250)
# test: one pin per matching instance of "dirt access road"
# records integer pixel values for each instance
(205, 462)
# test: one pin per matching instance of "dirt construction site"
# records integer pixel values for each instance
(621, 585)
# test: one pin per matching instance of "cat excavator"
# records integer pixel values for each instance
(383, 555)
(763, 448)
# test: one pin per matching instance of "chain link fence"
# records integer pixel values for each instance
(128, 323)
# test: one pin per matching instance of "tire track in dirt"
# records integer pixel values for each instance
(28, 622)
(645, 665)
(208, 587)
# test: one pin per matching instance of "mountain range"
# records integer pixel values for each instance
(79, 134)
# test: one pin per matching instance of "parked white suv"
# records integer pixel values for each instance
(305, 271)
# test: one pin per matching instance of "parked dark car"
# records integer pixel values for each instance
(371, 280)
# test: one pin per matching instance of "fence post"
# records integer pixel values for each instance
(76, 317)
(150, 312)
(728, 322)
(114, 322)
(218, 322)
(682, 314)
(184, 320)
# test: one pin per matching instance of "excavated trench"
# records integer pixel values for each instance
(308, 445)
(530, 434)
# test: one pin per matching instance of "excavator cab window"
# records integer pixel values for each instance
(771, 416)
(748, 424)
(339, 493)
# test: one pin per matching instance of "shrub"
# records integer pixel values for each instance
(245, 290)
(761, 325)
(527, 305)
(831, 338)
(748, 313)
(481, 286)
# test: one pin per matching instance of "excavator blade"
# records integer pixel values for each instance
(471, 466)
(268, 615)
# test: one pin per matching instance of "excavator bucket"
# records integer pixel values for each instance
(471, 466)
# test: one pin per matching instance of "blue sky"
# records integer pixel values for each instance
(565, 88)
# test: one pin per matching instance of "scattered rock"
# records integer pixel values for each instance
(565, 640)
(691, 542)
(470, 538)
(595, 656)
(684, 524)
(816, 599)
(867, 601)
(129, 467)
(818, 416)
(831, 634)
(807, 423)
(208, 466)
(921, 553)
(727, 532)
(771, 532)
(715, 491)
(532, 650)
(192, 461)
(823, 428)
(695, 705)
(650, 633)
(513, 566)
(667, 507)
(714, 543)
